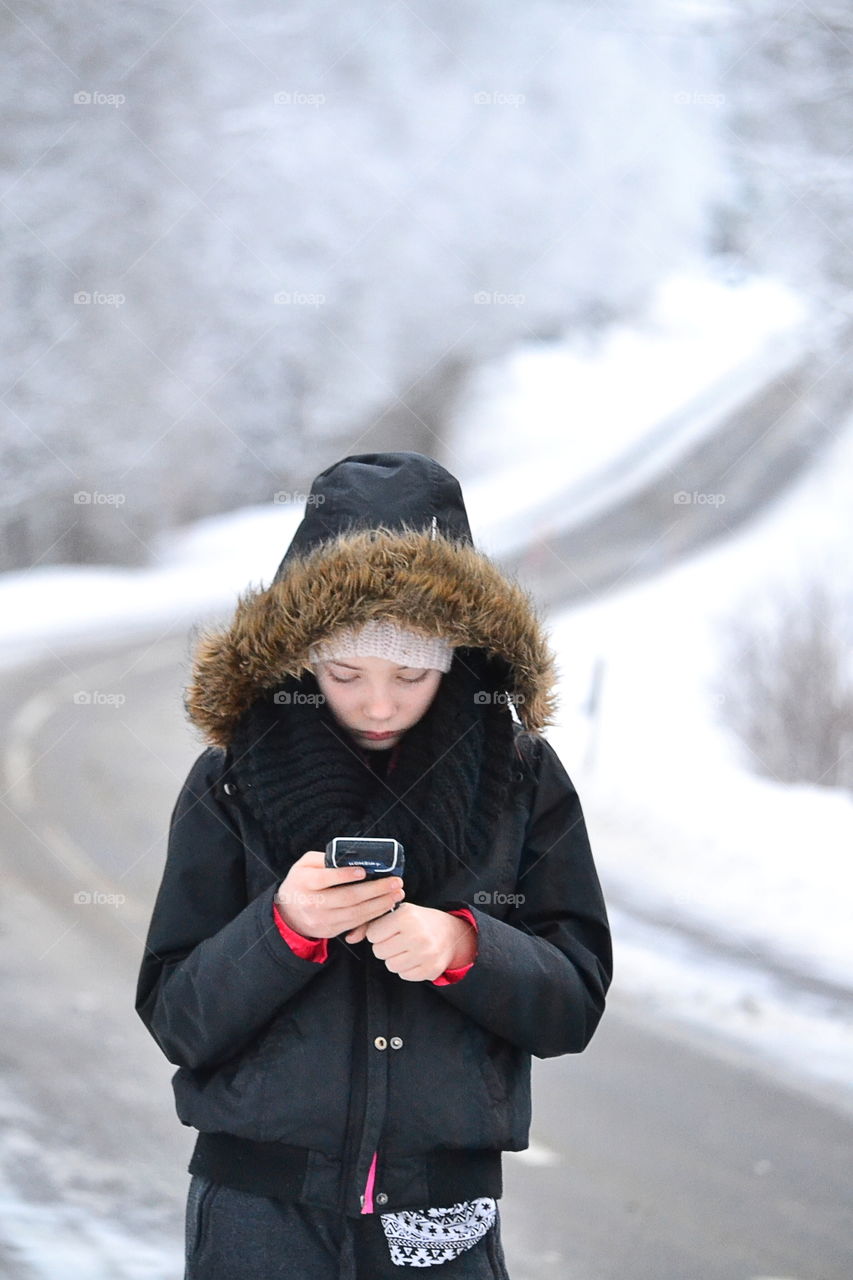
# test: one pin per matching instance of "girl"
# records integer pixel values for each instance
(355, 1054)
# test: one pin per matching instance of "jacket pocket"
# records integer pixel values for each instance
(493, 1065)
(199, 1198)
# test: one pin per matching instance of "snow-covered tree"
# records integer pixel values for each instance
(300, 228)
(786, 70)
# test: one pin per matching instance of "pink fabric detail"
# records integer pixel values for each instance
(316, 949)
(367, 1207)
(453, 975)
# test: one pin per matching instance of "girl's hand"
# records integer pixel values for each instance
(419, 943)
(321, 902)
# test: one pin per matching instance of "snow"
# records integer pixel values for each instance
(619, 408)
(450, 151)
(45, 1235)
(704, 838)
(681, 831)
(701, 338)
(201, 569)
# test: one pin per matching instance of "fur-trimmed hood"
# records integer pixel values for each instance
(385, 536)
(439, 586)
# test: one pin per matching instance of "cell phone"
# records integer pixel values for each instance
(379, 856)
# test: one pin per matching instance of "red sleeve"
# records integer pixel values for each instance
(453, 975)
(307, 948)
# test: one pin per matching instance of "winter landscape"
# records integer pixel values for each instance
(596, 261)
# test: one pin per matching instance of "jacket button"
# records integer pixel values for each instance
(381, 1197)
(396, 1042)
(381, 1043)
(229, 788)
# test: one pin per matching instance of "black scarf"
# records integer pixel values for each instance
(307, 780)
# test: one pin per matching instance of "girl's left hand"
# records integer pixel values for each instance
(418, 943)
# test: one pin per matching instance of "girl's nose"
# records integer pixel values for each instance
(379, 706)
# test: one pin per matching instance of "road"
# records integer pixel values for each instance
(678, 490)
(655, 1154)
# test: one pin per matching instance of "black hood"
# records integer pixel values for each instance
(369, 490)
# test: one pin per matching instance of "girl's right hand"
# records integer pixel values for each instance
(321, 902)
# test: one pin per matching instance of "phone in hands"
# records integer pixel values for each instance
(380, 857)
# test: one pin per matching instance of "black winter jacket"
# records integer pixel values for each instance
(292, 1062)
(293, 1072)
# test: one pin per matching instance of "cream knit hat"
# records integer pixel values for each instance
(385, 640)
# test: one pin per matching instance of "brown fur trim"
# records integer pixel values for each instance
(435, 585)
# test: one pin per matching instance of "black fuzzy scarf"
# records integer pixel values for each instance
(307, 780)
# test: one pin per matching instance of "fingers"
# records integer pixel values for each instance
(316, 875)
(313, 858)
(407, 944)
(354, 914)
(361, 931)
(322, 877)
(385, 906)
(334, 899)
(379, 895)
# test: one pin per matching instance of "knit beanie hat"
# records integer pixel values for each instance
(385, 639)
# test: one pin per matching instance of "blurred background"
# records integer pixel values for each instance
(597, 259)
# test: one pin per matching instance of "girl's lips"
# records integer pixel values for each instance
(376, 736)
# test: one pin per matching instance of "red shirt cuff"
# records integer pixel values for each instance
(453, 975)
(316, 949)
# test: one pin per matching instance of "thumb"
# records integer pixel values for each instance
(356, 934)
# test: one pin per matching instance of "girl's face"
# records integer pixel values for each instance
(376, 696)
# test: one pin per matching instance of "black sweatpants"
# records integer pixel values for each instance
(231, 1233)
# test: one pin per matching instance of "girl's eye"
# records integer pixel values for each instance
(352, 679)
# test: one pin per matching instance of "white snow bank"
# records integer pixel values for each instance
(682, 826)
(559, 425)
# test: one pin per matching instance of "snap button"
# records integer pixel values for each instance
(229, 788)
(396, 1042)
(380, 1042)
(381, 1197)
